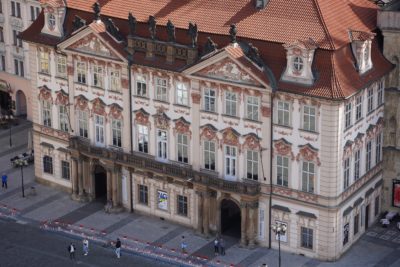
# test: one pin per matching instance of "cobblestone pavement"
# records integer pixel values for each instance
(378, 247)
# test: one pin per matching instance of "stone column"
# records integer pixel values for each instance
(114, 188)
(243, 210)
(252, 223)
(74, 172)
(206, 214)
(109, 174)
(80, 177)
(200, 211)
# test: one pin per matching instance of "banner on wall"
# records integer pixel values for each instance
(162, 200)
(396, 193)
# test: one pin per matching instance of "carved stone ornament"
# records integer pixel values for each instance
(78, 23)
(182, 126)
(115, 111)
(62, 98)
(99, 107)
(152, 27)
(161, 120)
(132, 24)
(193, 33)
(92, 45)
(81, 102)
(230, 137)
(196, 98)
(171, 31)
(283, 148)
(142, 117)
(251, 142)
(209, 46)
(208, 133)
(45, 94)
(358, 141)
(113, 29)
(96, 9)
(254, 55)
(348, 149)
(308, 153)
(233, 32)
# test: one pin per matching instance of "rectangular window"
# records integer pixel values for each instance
(46, 113)
(359, 107)
(143, 138)
(307, 238)
(115, 81)
(230, 161)
(309, 118)
(16, 67)
(348, 115)
(48, 164)
(16, 41)
(162, 152)
(18, 10)
(252, 165)
(3, 63)
(143, 195)
(282, 170)
(370, 99)
(356, 223)
(98, 76)
(33, 16)
(378, 148)
(308, 174)
(83, 123)
(376, 208)
(346, 173)
(19, 68)
(346, 230)
(368, 156)
(1, 7)
(1, 35)
(81, 72)
(253, 107)
(141, 86)
(380, 93)
(283, 113)
(63, 118)
(209, 155)
(357, 159)
(230, 103)
(65, 170)
(61, 66)
(182, 94)
(183, 148)
(99, 129)
(44, 62)
(116, 133)
(182, 205)
(210, 100)
(161, 89)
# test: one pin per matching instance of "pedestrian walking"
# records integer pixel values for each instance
(216, 246)
(4, 180)
(183, 245)
(222, 246)
(71, 250)
(118, 248)
(85, 243)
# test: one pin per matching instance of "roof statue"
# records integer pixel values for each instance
(132, 24)
(171, 31)
(209, 46)
(96, 9)
(112, 29)
(152, 27)
(232, 33)
(78, 23)
(193, 33)
(254, 55)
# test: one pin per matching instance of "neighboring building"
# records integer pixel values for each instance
(389, 23)
(15, 85)
(160, 119)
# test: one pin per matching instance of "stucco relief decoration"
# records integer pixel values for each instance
(208, 133)
(99, 107)
(142, 117)
(371, 132)
(91, 44)
(348, 149)
(308, 153)
(196, 98)
(115, 111)
(228, 71)
(358, 141)
(283, 148)
(45, 94)
(62, 98)
(379, 125)
(230, 137)
(251, 142)
(161, 120)
(266, 111)
(81, 102)
(182, 126)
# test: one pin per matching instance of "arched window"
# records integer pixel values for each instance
(298, 63)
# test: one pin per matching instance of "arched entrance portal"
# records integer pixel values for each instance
(5, 102)
(21, 103)
(230, 218)
(100, 183)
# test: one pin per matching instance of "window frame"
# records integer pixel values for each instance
(182, 148)
(348, 112)
(143, 138)
(44, 62)
(97, 76)
(141, 85)
(61, 66)
(370, 99)
(357, 164)
(252, 165)
(48, 164)
(161, 92)
(368, 155)
(162, 144)
(83, 123)
(311, 118)
(209, 155)
(143, 195)
(231, 99)
(381, 94)
(210, 101)
(182, 94)
(307, 237)
(63, 118)
(100, 140)
(284, 113)
(298, 64)
(281, 168)
(356, 224)
(230, 162)
(116, 132)
(378, 148)
(253, 108)
(81, 72)
(308, 177)
(182, 205)
(65, 170)
(346, 173)
(359, 106)
(115, 81)
(46, 113)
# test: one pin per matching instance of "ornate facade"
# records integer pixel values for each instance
(189, 123)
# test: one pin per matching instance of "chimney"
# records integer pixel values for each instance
(261, 4)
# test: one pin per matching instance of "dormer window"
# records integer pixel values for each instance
(54, 14)
(361, 47)
(299, 55)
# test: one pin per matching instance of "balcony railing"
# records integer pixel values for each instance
(185, 172)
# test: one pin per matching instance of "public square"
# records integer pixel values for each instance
(36, 230)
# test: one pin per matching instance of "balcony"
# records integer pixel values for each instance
(147, 163)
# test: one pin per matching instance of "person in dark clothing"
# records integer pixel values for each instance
(216, 246)
(4, 180)
(71, 250)
(222, 246)
(118, 248)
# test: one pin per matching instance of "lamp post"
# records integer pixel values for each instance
(21, 163)
(279, 229)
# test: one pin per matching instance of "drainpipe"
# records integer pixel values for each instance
(130, 62)
(270, 170)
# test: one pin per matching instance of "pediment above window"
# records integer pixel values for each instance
(299, 59)
(62, 98)
(92, 45)
(208, 132)
(230, 137)
(81, 102)
(141, 117)
(99, 107)
(116, 111)
(45, 94)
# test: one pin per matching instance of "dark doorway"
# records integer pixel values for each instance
(230, 218)
(5, 102)
(366, 217)
(100, 182)
(21, 103)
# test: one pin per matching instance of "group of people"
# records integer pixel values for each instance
(219, 246)
(85, 248)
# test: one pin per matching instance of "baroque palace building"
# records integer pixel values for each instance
(222, 116)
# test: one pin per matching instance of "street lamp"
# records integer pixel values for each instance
(279, 229)
(21, 163)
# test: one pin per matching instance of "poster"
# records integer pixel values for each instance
(396, 193)
(162, 198)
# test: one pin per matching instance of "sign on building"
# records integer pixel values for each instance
(162, 200)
